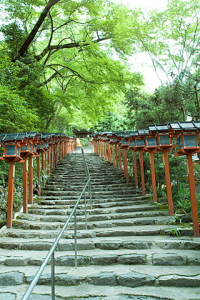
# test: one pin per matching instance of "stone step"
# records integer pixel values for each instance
(155, 243)
(135, 230)
(66, 210)
(102, 220)
(108, 276)
(63, 200)
(69, 204)
(70, 187)
(87, 291)
(95, 194)
(103, 258)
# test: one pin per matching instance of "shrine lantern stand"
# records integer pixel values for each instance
(124, 145)
(140, 146)
(114, 143)
(164, 145)
(11, 143)
(28, 150)
(187, 137)
(151, 145)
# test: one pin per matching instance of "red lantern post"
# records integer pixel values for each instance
(132, 147)
(161, 134)
(124, 146)
(150, 147)
(187, 137)
(140, 146)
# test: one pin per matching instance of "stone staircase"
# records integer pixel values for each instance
(130, 250)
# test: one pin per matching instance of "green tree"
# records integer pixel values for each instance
(74, 46)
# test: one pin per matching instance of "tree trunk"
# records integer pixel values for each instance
(37, 26)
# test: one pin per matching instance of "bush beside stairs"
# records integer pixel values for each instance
(130, 249)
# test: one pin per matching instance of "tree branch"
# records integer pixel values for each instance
(67, 46)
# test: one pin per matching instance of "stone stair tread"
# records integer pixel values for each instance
(162, 240)
(105, 257)
(119, 269)
(88, 292)
(103, 208)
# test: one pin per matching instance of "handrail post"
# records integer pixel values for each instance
(85, 212)
(90, 195)
(75, 239)
(52, 277)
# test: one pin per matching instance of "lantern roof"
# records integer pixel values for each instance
(143, 132)
(181, 126)
(126, 135)
(31, 135)
(120, 133)
(13, 137)
(159, 128)
(133, 133)
(197, 124)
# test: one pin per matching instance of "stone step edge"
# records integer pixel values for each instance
(130, 279)
(154, 259)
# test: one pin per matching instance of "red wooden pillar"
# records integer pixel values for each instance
(38, 174)
(116, 155)
(49, 155)
(105, 152)
(125, 164)
(53, 156)
(142, 172)
(10, 193)
(30, 180)
(25, 183)
(120, 162)
(43, 162)
(153, 178)
(60, 150)
(113, 152)
(109, 153)
(55, 153)
(66, 148)
(168, 183)
(100, 148)
(95, 147)
(193, 195)
(135, 169)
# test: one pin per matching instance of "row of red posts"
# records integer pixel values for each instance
(157, 138)
(22, 148)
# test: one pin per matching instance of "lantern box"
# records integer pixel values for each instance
(133, 135)
(124, 140)
(40, 146)
(131, 143)
(35, 148)
(161, 133)
(27, 148)
(12, 149)
(140, 139)
(150, 142)
(12, 144)
(186, 134)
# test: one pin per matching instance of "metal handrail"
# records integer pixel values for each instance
(50, 254)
